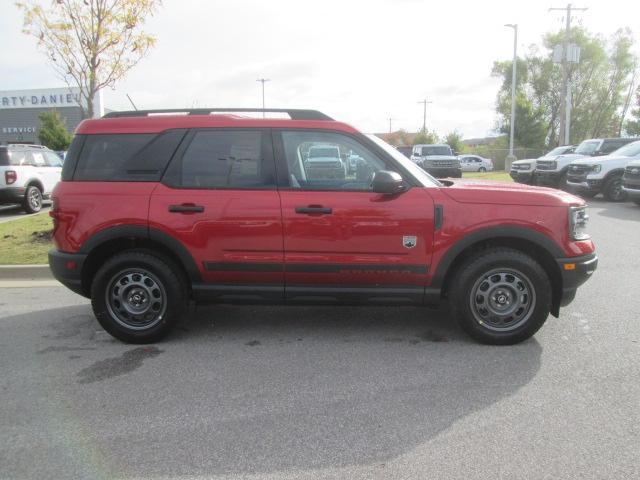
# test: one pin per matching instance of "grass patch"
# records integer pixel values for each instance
(500, 176)
(26, 241)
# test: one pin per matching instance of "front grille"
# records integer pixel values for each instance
(632, 172)
(521, 167)
(546, 165)
(579, 169)
(440, 163)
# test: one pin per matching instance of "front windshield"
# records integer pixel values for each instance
(629, 150)
(587, 147)
(555, 152)
(422, 176)
(427, 151)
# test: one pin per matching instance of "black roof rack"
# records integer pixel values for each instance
(294, 114)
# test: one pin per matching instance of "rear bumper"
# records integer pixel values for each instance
(67, 269)
(575, 271)
(12, 194)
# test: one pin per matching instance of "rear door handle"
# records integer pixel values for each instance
(186, 208)
(314, 209)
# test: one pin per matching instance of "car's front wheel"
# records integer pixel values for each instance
(613, 190)
(501, 297)
(137, 296)
(482, 170)
(32, 202)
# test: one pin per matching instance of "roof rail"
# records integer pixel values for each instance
(27, 145)
(294, 114)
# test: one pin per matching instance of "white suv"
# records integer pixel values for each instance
(590, 176)
(28, 174)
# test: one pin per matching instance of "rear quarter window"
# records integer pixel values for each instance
(137, 157)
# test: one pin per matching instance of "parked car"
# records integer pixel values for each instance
(437, 160)
(28, 174)
(591, 176)
(522, 171)
(213, 207)
(475, 163)
(325, 161)
(631, 181)
(553, 173)
(405, 150)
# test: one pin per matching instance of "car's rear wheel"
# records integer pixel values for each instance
(500, 297)
(32, 202)
(482, 169)
(613, 190)
(138, 296)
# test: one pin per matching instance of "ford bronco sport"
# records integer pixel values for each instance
(156, 209)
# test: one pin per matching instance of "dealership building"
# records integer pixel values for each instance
(19, 111)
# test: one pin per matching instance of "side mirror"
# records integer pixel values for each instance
(386, 182)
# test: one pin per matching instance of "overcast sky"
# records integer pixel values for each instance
(358, 61)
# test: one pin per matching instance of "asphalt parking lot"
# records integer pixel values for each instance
(12, 212)
(302, 392)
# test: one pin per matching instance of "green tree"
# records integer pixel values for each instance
(53, 131)
(91, 43)
(454, 140)
(599, 83)
(425, 138)
(632, 127)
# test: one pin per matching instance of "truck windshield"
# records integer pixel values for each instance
(629, 150)
(587, 147)
(556, 151)
(427, 151)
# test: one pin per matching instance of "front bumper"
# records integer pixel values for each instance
(525, 176)
(12, 194)
(439, 172)
(575, 271)
(549, 178)
(583, 184)
(67, 269)
(632, 187)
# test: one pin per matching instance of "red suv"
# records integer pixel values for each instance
(158, 208)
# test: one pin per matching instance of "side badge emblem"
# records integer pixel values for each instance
(409, 241)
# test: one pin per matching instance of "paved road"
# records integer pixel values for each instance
(12, 212)
(355, 393)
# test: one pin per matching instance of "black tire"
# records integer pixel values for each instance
(506, 283)
(482, 169)
(613, 191)
(32, 202)
(138, 296)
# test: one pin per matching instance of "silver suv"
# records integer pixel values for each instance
(438, 160)
(28, 174)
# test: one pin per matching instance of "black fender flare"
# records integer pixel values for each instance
(491, 233)
(145, 232)
(616, 172)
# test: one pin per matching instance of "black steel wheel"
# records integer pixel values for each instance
(137, 296)
(501, 296)
(613, 190)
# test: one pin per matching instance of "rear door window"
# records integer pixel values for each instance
(237, 159)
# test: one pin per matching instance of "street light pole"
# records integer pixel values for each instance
(513, 88)
(263, 80)
(424, 114)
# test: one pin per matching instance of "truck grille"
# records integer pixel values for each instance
(632, 172)
(546, 165)
(516, 166)
(440, 163)
(579, 169)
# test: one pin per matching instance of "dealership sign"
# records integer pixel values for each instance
(40, 98)
(18, 129)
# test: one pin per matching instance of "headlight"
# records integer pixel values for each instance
(596, 168)
(578, 219)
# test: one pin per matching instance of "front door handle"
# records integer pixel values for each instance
(186, 208)
(311, 209)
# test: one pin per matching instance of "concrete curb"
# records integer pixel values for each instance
(25, 272)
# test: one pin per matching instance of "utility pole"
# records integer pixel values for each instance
(565, 106)
(263, 80)
(512, 121)
(390, 119)
(424, 114)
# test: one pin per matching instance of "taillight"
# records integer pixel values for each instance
(10, 176)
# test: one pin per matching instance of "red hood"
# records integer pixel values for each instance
(487, 191)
